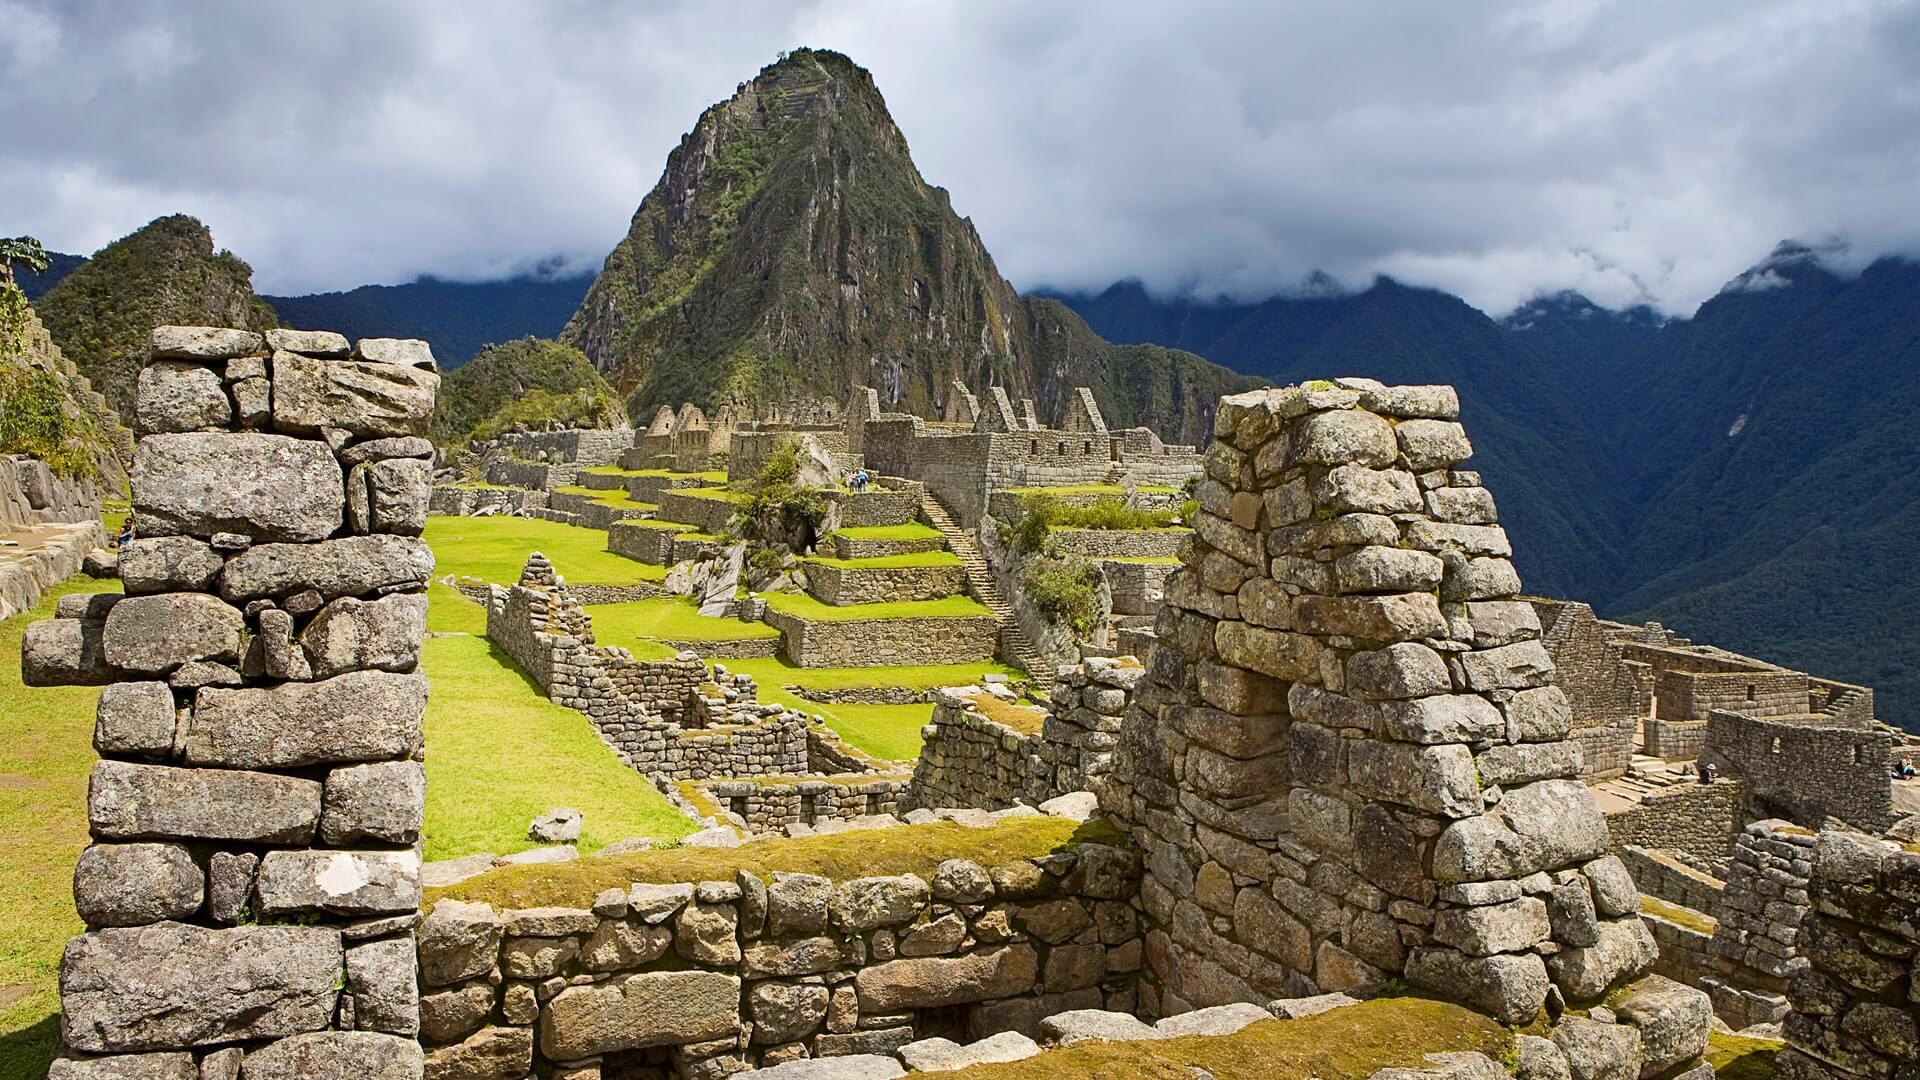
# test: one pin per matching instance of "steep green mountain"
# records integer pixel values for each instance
(526, 381)
(458, 318)
(1741, 476)
(791, 250)
(35, 283)
(168, 272)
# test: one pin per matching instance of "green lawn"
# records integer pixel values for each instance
(712, 476)
(720, 493)
(912, 530)
(671, 618)
(46, 752)
(614, 497)
(885, 731)
(803, 606)
(450, 612)
(495, 549)
(889, 562)
(499, 753)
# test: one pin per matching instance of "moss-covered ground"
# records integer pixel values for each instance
(1022, 718)
(803, 606)
(889, 562)
(890, 732)
(46, 752)
(905, 849)
(1735, 1057)
(499, 753)
(1346, 1044)
(494, 549)
(1674, 913)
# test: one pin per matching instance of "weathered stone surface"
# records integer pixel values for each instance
(1625, 948)
(359, 716)
(135, 719)
(656, 1008)
(171, 985)
(383, 802)
(458, 941)
(1448, 718)
(155, 634)
(1674, 1021)
(136, 884)
(1598, 1051)
(870, 903)
(1465, 505)
(63, 652)
(655, 904)
(1347, 489)
(1217, 1020)
(173, 396)
(707, 934)
(350, 634)
(560, 825)
(928, 982)
(494, 1053)
(1433, 444)
(1271, 652)
(1335, 438)
(229, 883)
(1262, 924)
(1313, 1005)
(152, 564)
(201, 342)
(1523, 763)
(1404, 670)
(1386, 618)
(620, 945)
(1570, 907)
(843, 1067)
(350, 566)
(1509, 987)
(1389, 570)
(1493, 928)
(364, 1055)
(1509, 667)
(385, 986)
(797, 904)
(268, 487)
(1502, 622)
(1542, 826)
(411, 352)
(1539, 1059)
(1439, 779)
(409, 446)
(127, 801)
(945, 1055)
(351, 883)
(537, 957)
(807, 956)
(1096, 1025)
(162, 1066)
(783, 1012)
(367, 399)
(389, 495)
(311, 342)
(1614, 892)
(452, 1015)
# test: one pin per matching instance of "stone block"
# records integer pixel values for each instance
(1446, 718)
(492, 1053)
(359, 716)
(1438, 779)
(363, 1055)
(366, 399)
(156, 634)
(201, 343)
(384, 980)
(1347, 489)
(1388, 618)
(1270, 652)
(172, 986)
(1380, 569)
(408, 352)
(127, 801)
(351, 634)
(136, 884)
(1523, 763)
(383, 803)
(1674, 1021)
(458, 941)
(870, 903)
(657, 1008)
(784, 1012)
(135, 719)
(931, 982)
(1542, 826)
(64, 652)
(267, 487)
(1433, 444)
(1625, 949)
(1539, 715)
(1331, 438)
(154, 564)
(1462, 505)
(389, 496)
(1519, 666)
(1596, 1050)
(1399, 671)
(175, 396)
(161, 1066)
(321, 343)
(1514, 926)
(349, 883)
(350, 566)
(1510, 987)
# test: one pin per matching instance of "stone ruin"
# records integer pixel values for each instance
(253, 882)
(1347, 762)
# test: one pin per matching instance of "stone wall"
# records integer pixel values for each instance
(457, 501)
(1119, 543)
(967, 759)
(1689, 695)
(647, 541)
(1664, 877)
(895, 504)
(584, 447)
(1606, 750)
(1695, 821)
(533, 475)
(762, 806)
(841, 584)
(254, 877)
(711, 515)
(1348, 761)
(1854, 1007)
(706, 979)
(961, 639)
(1756, 939)
(1806, 773)
(1137, 588)
(588, 512)
(1675, 740)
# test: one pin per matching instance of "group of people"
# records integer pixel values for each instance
(858, 480)
(1904, 770)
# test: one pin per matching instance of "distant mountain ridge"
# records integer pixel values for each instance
(458, 318)
(1740, 475)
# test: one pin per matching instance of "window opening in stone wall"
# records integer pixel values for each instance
(1087, 447)
(1776, 745)
(873, 804)
(1060, 447)
(806, 810)
(1856, 753)
(737, 805)
(944, 1022)
(1749, 691)
(1036, 446)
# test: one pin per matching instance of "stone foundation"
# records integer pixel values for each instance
(761, 806)
(840, 585)
(646, 541)
(961, 639)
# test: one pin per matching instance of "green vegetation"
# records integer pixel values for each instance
(495, 549)
(1041, 513)
(449, 612)
(46, 752)
(486, 721)
(674, 618)
(1346, 1044)
(168, 272)
(1682, 916)
(908, 849)
(710, 476)
(1736, 1057)
(912, 530)
(1143, 560)
(803, 606)
(609, 496)
(890, 732)
(1067, 592)
(889, 562)
(36, 416)
(1104, 490)
(529, 381)
(1021, 718)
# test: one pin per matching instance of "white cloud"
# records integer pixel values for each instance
(1634, 152)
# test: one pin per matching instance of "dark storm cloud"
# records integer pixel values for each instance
(1634, 151)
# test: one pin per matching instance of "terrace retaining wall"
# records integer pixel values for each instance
(961, 639)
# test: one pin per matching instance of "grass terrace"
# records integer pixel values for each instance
(494, 549)
(802, 606)
(1024, 719)
(889, 562)
(668, 618)
(1736, 1057)
(605, 496)
(711, 476)
(721, 493)
(912, 530)
(889, 732)
(1114, 490)
(905, 849)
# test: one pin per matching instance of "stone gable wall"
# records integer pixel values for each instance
(253, 878)
(1806, 773)
(1756, 940)
(584, 447)
(712, 978)
(1349, 760)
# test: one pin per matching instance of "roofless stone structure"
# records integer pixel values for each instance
(1347, 762)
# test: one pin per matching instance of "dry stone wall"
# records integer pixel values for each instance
(707, 979)
(1349, 761)
(1756, 939)
(837, 584)
(1854, 1007)
(1806, 772)
(762, 806)
(958, 639)
(1695, 822)
(253, 879)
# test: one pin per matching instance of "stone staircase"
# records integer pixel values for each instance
(981, 584)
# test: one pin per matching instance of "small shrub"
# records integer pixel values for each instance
(1038, 513)
(1067, 592)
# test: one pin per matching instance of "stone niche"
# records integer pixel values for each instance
(253, 881)
(1348, 762)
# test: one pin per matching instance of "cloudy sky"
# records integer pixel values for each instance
(1637, 151)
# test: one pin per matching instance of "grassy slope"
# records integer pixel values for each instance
(891, 732)
(672, 618)
(912, 530)
(889, 562)
(495, 549)
(806, 607)
(46, 752)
